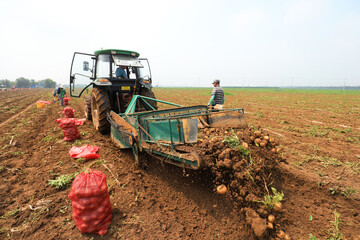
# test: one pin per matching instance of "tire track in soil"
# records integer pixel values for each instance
(23, 111)
(16, 115)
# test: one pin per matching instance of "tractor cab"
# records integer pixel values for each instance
(100, 70)
(114, 76)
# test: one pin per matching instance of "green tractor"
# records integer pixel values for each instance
(113, 77)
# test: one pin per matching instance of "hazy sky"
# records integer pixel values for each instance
(189, 43)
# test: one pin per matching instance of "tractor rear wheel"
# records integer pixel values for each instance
(100, 106)
(87, 108)
(149, 93)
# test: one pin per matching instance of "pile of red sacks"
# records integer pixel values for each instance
(66, 100)
(92, 211)
(69, 124)
(69, 112)
(70, 130)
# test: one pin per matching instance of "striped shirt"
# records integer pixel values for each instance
(219, 95)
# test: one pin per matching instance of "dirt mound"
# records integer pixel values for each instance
(242, 160)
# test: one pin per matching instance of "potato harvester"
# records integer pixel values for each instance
(170, 134)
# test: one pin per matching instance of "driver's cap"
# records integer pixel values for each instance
(216, 81)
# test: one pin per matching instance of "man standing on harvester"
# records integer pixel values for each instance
(217, 96)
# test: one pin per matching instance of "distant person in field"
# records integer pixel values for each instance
(217, 96)
(61, 94)
(55, 94)
(120, 73)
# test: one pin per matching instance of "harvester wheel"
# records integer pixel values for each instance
(87, 108)
(100, 106)
(198, 160)
(149, 93)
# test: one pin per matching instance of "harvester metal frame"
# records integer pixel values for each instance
(161, 132)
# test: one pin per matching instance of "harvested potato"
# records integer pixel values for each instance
(221, 189)
(271, 218)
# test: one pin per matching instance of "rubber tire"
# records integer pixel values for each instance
(100, 106)
(87, 108)
(149, 93)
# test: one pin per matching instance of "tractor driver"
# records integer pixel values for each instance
(121, 73)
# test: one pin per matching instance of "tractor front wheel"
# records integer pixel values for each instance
(100, 106)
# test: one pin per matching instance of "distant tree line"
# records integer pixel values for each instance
(27, 83)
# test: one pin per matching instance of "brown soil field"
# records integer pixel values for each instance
(318, 169)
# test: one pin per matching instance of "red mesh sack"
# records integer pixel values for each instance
(78, 122)
(92, 211)
(69, 112)
(70, 130)
(66, 101)
(86, 151)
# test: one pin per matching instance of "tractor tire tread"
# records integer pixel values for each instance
(87, 108)
(103, 104)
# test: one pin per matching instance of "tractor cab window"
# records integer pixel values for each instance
(144, 73)
(121, 60)
(103, 66)
(130, 72)
(127, 63)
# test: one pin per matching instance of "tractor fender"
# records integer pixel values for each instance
(101, 83)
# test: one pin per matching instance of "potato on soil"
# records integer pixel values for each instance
(257, 141)
(257, 133)
(270, 225)
(245, 145)
(266, 137)
(221, 189)
(281, 234)
(278, 206)
(263, 144)
(271, 218)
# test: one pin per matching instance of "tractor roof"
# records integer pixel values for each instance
(117, 51)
